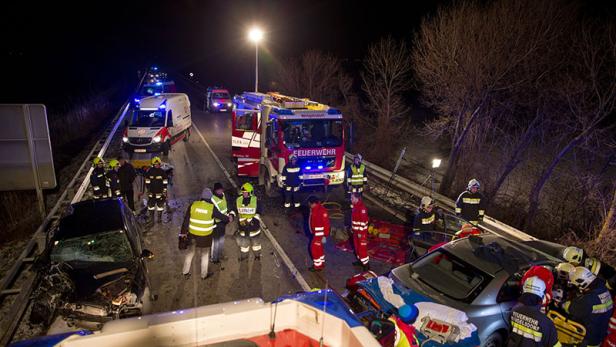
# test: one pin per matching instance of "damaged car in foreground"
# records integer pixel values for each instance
(93, 269)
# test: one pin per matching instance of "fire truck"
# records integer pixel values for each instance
(268, 128)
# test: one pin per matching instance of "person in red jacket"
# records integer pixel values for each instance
(359, 226)
(318, 223)
(547, 277)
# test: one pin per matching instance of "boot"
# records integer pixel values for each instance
(242, 257)
(258, 256)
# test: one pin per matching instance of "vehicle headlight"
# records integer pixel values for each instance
(228, 104)
(156, 138)
(216, 104)
(124, 139)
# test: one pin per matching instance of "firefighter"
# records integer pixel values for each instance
(198, 226)
(529, 326)
(562, 287)
(98, 179)
(406, 336)
(291, 182)
(593, 308)
(471, 203)
(113, 179)
(318, 222)
(156, 184)
(249, 230)
(359, 226)
(356, 175)
(425, 218)
(220, 202)
(547, 277)
(576, 256)
(127, 176)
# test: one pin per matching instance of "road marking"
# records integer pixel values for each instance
(285, 258)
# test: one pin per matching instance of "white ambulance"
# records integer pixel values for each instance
(155, 123)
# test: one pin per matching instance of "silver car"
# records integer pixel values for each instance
(479, 275)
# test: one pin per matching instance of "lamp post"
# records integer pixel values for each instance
(256, 35)
(436, 163)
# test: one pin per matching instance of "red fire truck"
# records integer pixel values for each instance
(268, 128)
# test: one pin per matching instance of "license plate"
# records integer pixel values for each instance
(223, 110)
(313, 177)
(140, 150)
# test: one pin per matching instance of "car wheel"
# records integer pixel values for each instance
(494, 340)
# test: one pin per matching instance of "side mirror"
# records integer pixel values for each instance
(146, 254)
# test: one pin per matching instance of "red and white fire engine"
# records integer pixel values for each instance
(268, 128)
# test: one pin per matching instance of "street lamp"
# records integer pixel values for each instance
(436, 163)
(256, 35)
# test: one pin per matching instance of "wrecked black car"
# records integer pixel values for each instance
(93, 268)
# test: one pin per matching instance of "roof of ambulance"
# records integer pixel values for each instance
(155, 101)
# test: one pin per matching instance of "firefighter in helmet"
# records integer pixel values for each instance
(425, 218)
(156, 183)
(577, 257)
(249, 211)
(291, 182)
(356, 176)
(98, 179)
(113, 180)
(470, 205)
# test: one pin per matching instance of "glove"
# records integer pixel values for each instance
(182, 241)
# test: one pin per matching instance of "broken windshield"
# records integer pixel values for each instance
(107, 247)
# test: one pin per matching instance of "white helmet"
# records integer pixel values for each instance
(473, 183)
(563, 270)
(581, 277)
(534, 285)
(573, 255)
(426, 201)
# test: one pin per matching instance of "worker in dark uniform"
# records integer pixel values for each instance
(530, 327)
(470, 205)
(249, 217)
(425, 218)
(577, 257)
(291, 182)
(593, 308)
(127, 176)
(113, 179)
(98, 179)
(156, 184)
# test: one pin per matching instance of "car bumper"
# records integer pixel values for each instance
(150, 148)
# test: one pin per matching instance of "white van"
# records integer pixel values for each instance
(157, 122)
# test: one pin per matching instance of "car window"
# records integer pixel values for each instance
(108, 247)
(511, 290)
(450, 275)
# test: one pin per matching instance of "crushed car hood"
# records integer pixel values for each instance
(89, 277)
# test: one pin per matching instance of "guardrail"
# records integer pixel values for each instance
(400, 183)
(19, 273)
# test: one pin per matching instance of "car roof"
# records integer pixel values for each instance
(91, 217)
(476, 250)
(155, 101)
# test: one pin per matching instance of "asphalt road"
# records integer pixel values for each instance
(196, 168)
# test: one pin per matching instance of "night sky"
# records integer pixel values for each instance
(56, 51)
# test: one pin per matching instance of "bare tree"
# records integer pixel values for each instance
(590, 95)
(385, 78)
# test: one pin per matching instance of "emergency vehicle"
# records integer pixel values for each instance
(218, 100)
(268, 128)
(157, 122)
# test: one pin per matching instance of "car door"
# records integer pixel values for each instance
(508, 295)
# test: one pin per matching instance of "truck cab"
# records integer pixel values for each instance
(312, 131)
(155, 123)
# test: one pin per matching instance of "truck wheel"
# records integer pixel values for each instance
(166, 148)
(187, 135)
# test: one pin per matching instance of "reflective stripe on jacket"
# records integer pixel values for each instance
(201, 222)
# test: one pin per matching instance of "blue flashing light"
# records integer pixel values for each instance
(163, 106)
(136, 100)
(155, 68)
(333, 111)
(320, 167)
(308, 167)
(159, 83)
(156, 94)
